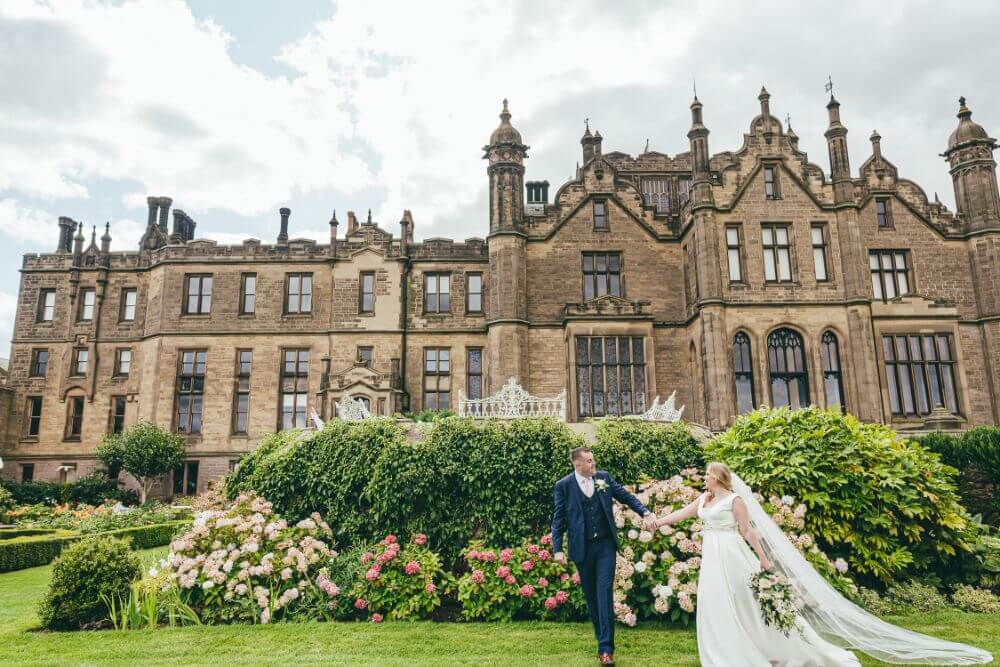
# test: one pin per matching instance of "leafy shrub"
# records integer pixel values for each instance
(976, 600)
(86, 571)
(915, 597)
(248, 565)
(976, 454)
(466, 480)
(519, 583)
(7, 502)
(657, 571)
(873, 602)
(428, 415)
(630, 449)
(885, 505)
(403, 583)
(92, 489)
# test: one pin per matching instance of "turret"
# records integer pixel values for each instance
(701, 183)
(506, 154)
(840, 165)
(973, 172)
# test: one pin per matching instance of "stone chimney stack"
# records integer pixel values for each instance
(154, 203)
(65, 235)
(165, 203)
(406, 233)
(283, 234)
(352, 223)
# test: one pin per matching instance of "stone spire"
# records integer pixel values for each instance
(333, 233)
(78, 241)
(701, 184)
(506, 154)
(106, 239)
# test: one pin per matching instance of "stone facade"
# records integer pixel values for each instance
(645, 275)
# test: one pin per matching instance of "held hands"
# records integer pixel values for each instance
(649, 522)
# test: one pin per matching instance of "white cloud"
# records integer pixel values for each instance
(26, 223)
(8, 311)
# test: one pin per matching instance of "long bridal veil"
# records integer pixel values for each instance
(840, 621)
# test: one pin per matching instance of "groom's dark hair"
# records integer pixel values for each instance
(578, 453)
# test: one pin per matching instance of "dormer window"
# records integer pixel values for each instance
(656, 194)
(771, 190)
(600, 214)
(883, 215)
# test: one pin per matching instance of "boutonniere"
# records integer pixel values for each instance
(601, 485)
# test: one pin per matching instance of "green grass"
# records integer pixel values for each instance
(364, 643)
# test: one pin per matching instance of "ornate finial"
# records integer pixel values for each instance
(586, 124)
(79, 231)
(788, 120)
(646, 150)
(963, 111)
(505, 114)
(107, 227)
(333, 218)
(763, 93)
(829, 85)
(876, 137)
(369, 216)
(694, 87)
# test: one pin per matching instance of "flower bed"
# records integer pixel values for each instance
(401, 583)
(248, 565)
(519, 583)
(88, 519)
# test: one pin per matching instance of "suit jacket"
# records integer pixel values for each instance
(567, 511)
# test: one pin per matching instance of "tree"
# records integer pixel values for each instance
(145, 451)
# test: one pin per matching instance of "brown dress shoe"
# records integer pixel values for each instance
(606, 659)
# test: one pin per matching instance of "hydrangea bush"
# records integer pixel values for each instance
(248, 565)
(657, 572)
(400, 582)
(523, 582)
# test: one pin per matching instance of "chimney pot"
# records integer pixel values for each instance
(283, 234)
(165, 203)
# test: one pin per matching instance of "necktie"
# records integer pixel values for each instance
(588, 488)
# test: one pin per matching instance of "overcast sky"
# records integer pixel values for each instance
(236, 108)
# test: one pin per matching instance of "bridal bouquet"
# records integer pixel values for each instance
(779, 604)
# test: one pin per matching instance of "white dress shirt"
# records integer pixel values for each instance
(586, 484)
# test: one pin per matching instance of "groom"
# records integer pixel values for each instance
(583, 505)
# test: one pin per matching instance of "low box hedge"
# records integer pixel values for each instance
(11, 533)
(34, 550)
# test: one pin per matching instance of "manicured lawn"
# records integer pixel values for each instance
(361, 643)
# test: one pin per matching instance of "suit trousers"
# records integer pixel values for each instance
(597, 577)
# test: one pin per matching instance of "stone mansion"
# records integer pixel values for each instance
(739, 279)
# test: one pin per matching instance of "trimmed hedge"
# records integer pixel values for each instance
(11, 533)
(92, 489)
(630, 449)
(31, 551)
(886, 505)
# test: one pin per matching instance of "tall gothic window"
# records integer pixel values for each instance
(437, 378)
(743, 371)
(920, 371)
(656, 193)
(602, 274)
(786, 362)
(241, 407)
(190, 391)
(833, 378)
(294, 388)
(610, 375)
(474, 372)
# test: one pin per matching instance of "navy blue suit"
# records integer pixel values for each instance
(594, 558)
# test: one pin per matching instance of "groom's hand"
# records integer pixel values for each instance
(560, 558)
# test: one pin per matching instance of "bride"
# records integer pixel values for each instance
(731, 631)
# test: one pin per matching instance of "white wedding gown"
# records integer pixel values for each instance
(731, 631)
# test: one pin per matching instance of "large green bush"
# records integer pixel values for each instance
(86, 571)
(630, 449)
(145, 451)
(491, 480)
(976, 454)
(884, 504)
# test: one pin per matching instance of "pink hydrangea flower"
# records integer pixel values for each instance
(546, 539)
(420, 539)
(532, 548)
(550, 603)
(360, 603)
(389, 539)
(510, 580)
(413, 567)
(376, 618)
(373, 573)
(564, 577)
(527, 566)
(562, 597)
(527, 591)
(543, 582)
(488, 556)
(367, 558)
(576, 578)
(544, 554)
(503, 571)
(478, 577)
(506, 555)
(430, 588)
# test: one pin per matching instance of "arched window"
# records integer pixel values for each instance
(365, 401)
(743, 372)
(833, 381)
(786, 361)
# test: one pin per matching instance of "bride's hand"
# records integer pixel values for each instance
(765, 564)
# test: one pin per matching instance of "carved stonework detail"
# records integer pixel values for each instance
(608, 306)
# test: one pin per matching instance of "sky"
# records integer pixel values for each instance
(235, 108)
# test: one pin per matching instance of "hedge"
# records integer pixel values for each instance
(31, 551)
(11, 533)
(91, 489)
(976, 454)
(631, 450)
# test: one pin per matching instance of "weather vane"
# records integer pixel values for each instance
(829, 85)
(586, 123)
(788, 119)
(694, 86)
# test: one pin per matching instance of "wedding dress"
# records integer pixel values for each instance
(731, 632)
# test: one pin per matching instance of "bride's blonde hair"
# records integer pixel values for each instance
(721, 473)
